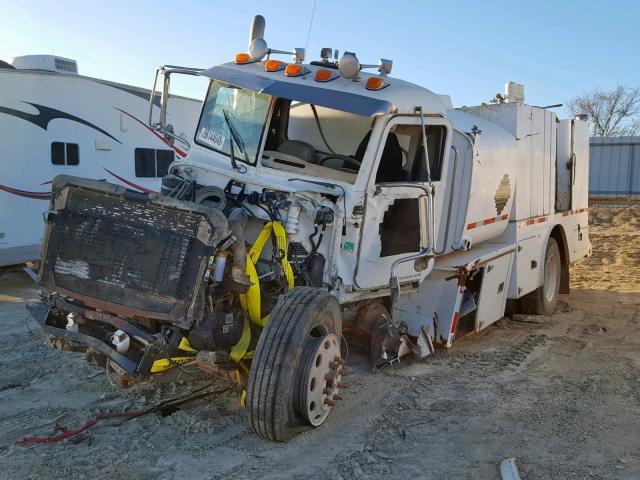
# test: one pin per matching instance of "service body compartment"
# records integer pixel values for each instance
(493, 293)
(526, 277)
(535, 132)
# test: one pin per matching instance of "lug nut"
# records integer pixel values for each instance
(326, 391)
(337, 397)
(328, 377)
(343, 371)
(334, 365)
(338, 360)
(342, 385)
(329, 402)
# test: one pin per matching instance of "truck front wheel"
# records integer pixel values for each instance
(297, 366)
(543, 300)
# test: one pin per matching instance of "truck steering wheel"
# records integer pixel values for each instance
(345, 158)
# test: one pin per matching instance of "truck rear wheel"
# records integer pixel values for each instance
(543, 300)
(297, 366)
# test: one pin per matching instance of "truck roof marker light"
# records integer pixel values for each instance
(294, 70)
(325, 75)
(243, 58)
(375, 83)
(273, 65)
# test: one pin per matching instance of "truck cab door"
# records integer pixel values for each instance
(396, 221)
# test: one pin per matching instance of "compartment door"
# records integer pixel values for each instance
(493, 293)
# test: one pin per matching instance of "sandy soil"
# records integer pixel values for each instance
(563, 398)
(615, 263)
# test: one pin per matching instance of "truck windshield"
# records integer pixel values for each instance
(245, 112)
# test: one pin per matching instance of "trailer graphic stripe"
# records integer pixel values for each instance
(179, 151)
(47, 195)
(127, 182)
(46, 115)
(26, 194)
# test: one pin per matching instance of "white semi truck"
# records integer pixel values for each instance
(317, 198)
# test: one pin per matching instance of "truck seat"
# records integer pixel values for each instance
(299, 149)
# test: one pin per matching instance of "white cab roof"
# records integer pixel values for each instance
(398, 96)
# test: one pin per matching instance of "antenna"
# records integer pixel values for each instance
(313, 12)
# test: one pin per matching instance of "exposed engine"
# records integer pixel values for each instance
(163, 277)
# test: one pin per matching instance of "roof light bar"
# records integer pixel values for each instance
(349, 66)
(375, 83)
(326, 53)
(274, 65)
(295, 70)
(325, 75)
(243, 58)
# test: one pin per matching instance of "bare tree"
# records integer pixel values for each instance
(610, 113)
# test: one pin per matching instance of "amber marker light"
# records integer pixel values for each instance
(273, 65)
(375, 83)
(294, 70)
(242, 58)
(323, 75)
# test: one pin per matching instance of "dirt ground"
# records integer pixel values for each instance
(562, 397)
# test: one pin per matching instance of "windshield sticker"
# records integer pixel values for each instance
(211, 138)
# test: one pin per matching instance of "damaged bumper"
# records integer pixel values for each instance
(125, 274)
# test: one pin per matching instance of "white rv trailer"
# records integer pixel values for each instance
(388, 210)
(54, 121)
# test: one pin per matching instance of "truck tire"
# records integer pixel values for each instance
(543, 300)
(289, 359)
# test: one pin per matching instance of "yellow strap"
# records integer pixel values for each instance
(186, 346)
(281, 240)
(165, 364)
(250, 301)
(239, 350)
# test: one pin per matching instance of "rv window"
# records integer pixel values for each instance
(57, 153)
(65, 153)
(73, 157)
(164, 159)
(152, 163)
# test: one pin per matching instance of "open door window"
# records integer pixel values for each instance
(396, 221)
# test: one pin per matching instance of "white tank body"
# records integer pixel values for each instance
(489, 195)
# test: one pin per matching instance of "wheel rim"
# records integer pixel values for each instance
(551, 277)
(321, 375)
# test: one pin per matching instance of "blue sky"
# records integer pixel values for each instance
(467, 49)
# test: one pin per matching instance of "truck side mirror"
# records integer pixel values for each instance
(164, 101)
(161, 126)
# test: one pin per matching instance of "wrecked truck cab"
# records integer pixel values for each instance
(312, 191)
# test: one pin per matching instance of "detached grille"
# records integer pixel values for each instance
(127, 253)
